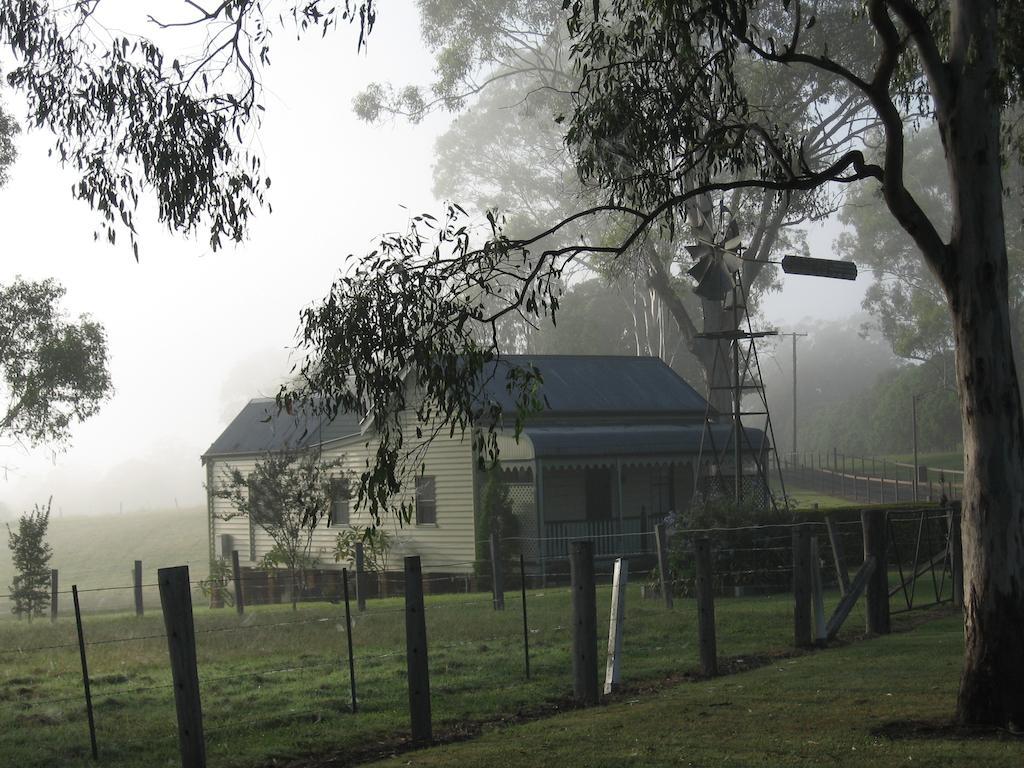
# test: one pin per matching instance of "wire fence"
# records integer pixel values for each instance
(295, 673)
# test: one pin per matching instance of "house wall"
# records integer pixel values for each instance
(442, 545)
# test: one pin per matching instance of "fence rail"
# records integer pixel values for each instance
(870, 479)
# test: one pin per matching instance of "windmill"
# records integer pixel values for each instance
(718, 272)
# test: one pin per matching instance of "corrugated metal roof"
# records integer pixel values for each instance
(260, 428)
(599, 384)
(654, 439)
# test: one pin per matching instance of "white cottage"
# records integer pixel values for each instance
(612, 453)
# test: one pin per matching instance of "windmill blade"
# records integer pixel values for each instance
(698, 270)
(732, 231)
(732, 243)
(699, 251)
(713, 280)
(731, 260)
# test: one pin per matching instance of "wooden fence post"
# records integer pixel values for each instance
(704, 587)
(176, 603)
(137, 581)
(360, 577)
(348, 634)
(874, 523)
(416, 652)
(956, 554)
(817, 593)
(236, 575)
(54, 593)
(613, 670)
(836, 543)
(584, 622)
(497, 574)
(661, 540)
(801, 586)
(85, 672)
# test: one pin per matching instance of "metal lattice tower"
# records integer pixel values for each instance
(720, 459)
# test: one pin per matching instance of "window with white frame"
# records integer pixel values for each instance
(426, 500)
(339, 512)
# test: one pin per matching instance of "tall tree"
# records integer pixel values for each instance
(506, 152)
(906, 300)
(53, 370)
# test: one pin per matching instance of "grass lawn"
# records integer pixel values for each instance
(100, 551)
(275, 684)
(848, 706)
(806, 498)
(952, 460)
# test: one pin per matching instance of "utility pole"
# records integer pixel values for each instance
(795, 335)
(913, 402)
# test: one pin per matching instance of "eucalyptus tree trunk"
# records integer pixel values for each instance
(974, 275)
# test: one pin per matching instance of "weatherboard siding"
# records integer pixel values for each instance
(236, 526)
(446, 546)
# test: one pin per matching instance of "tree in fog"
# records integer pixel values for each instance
(8, 151)
(53, 370)
(906, 300)
(30, 556)
(507, 67)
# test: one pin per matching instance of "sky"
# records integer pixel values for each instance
(194, 334)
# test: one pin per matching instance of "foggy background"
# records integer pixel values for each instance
(194, 334)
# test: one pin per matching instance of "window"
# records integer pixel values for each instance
(340, 497)
(426, 500)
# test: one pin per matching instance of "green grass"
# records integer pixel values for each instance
(806, 498)
(100, 551)
(845, 707)
(934, 461)
(275, 690)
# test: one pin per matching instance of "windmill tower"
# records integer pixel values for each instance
(735, 457)
(735, 447)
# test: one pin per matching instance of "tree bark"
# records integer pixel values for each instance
(974, 274)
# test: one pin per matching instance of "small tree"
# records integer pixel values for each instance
(376, 548)
(286, 495)
(30, 555)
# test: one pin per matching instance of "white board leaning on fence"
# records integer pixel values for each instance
(618, 614)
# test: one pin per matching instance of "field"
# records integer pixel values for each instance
(100, 551)
(953, 460)
(275, 684)
(805, 498)
(884, 703)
